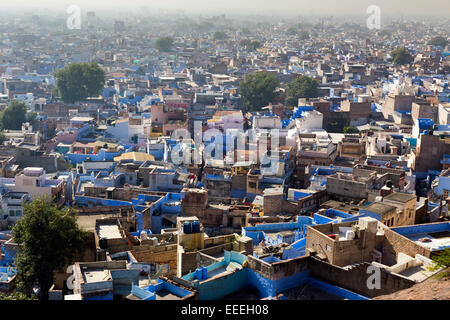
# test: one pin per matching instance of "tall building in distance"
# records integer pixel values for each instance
(119, 26)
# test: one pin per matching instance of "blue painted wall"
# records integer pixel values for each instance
(422, 228)
(337, 291)
(223, 286)
(108, 296)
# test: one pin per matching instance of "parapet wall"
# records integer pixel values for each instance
(271, 279)
(356, 278)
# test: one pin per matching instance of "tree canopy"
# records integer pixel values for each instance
(401, 56)
(15, 296)
(251, 44)
(164, 44)
(79, 81)
(220, 35)
(303, 35)
(246, 31)
(301, 87)
(350, 130)
(291, 31)
(48, 240)
(2, 138)
(442, 260)
(438, 41)
(14, 115)
(258, 89)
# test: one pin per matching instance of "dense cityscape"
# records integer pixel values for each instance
(167, 155)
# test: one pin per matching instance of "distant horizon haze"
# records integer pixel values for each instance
(290, 8)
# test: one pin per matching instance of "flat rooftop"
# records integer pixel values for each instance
(433, 236)
(379, 207)
(96, 275)
(432, 241)
(109, 231)
(400, 197)
(164, 294)
(417, 274)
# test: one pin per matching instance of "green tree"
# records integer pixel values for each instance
(442, 260)
(2, 138)
(31, 117)
(301, 87)
(79, 81)
(253, 45)
(304, 35)
(220, 35)
(205, 26)
(291, 31)
(350, 130)
(15, 296)
(14, 115)
(383, 33)
(246, 31)
(164, 44)
(258, 89)
(438, 41)
(401, 56)
(338, 125)
(49, 239)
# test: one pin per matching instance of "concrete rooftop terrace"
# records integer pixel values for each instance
(379, 207)
(400, 197)
(96, 275)
(109, 231)
(433, 236)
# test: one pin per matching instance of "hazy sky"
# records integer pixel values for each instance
(289, 7)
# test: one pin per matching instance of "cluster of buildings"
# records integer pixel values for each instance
(304, 219)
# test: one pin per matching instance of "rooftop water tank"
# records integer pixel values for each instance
(143, 235)
(187, 227)
(196, 227)
(204, 273)
(350, 235)
(199, 274)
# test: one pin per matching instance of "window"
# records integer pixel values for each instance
(164, 268)
(12, 213)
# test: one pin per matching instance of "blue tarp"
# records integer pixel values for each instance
(425, 123)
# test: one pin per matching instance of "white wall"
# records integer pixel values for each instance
(311, 120)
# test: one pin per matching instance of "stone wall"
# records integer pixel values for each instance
(187, 262)
(429, 153)
(273, 204)
(159, 255)
(393, 243)
(322, 245)
(346, 188)
(356, 278)
(239, 182)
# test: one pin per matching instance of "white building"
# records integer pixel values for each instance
(266, 122)
(34, 182)
(11, 206)
(310, 120)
